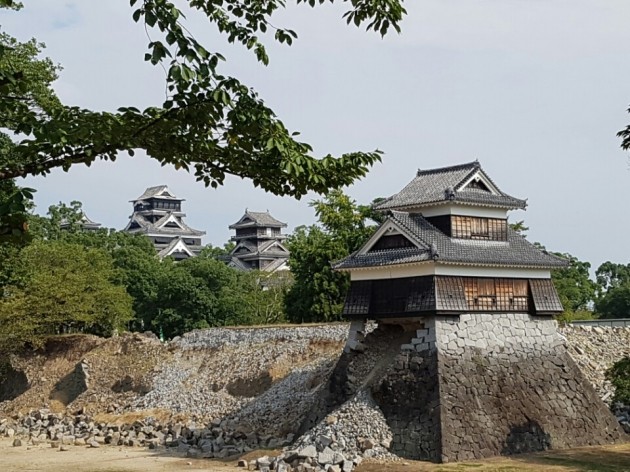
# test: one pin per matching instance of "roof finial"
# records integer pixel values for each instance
(433, 251)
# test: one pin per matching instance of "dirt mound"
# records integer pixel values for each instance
(80, 371)
(206, 375)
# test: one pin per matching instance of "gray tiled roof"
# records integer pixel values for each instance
(236, 263)
(262, 250)
(383, 258)
(147, 227)
(444, 185)
(515, 252)
(258, 218)
(84, 222)
(153, 192)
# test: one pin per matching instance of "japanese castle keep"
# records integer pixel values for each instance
(470, 363)
(259, 245)
(158, 214)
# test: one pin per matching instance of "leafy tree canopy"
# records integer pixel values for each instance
(615, 303)
(58, 287)
(520, 227)
(613, 299)
(610, 275)
(619, 376)
(574, 285)
(318, 292)
(197, 293)
(210, 124)
(217, 251)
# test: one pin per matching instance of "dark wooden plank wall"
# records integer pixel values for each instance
(411, 296)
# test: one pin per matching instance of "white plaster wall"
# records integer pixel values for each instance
(431, 268)
(463, 210)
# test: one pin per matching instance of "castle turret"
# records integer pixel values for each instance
(476, 366)
(446, 247)
(258, 241)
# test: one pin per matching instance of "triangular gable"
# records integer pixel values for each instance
(246, 219)
(479, 180)
(391, 228)
(169, 221)
(241, 248)
(236, 263)
(275, 246)
(177, 245)
(136, 222)
(277, 266)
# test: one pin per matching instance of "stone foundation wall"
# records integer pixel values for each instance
(512, 379)
(479, 385)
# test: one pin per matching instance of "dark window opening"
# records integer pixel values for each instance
(394, 241)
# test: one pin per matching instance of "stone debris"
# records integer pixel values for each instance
(354, 431)
(595, 349)
(275, 375)
(239, 390)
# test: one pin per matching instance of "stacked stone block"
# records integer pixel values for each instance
(480, 385)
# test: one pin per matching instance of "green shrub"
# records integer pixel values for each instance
(619, 376)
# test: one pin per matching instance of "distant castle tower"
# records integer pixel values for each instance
(258, 241)
(158, 214)
(84, 223)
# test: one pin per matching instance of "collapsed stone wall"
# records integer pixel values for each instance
(409, 397)
(257, 384)
(595, 349)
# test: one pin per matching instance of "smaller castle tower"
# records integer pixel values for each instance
(258, 241)
(482, 369)
(83, 223)
(158, 214)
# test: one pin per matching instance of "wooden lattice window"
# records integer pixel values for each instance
(486, 288)
(479, 228)
(358, 298)
(520, 291)
(520, 288)
(470, 227)
(486, 294)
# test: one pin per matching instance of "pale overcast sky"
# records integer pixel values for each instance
(534, 89)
